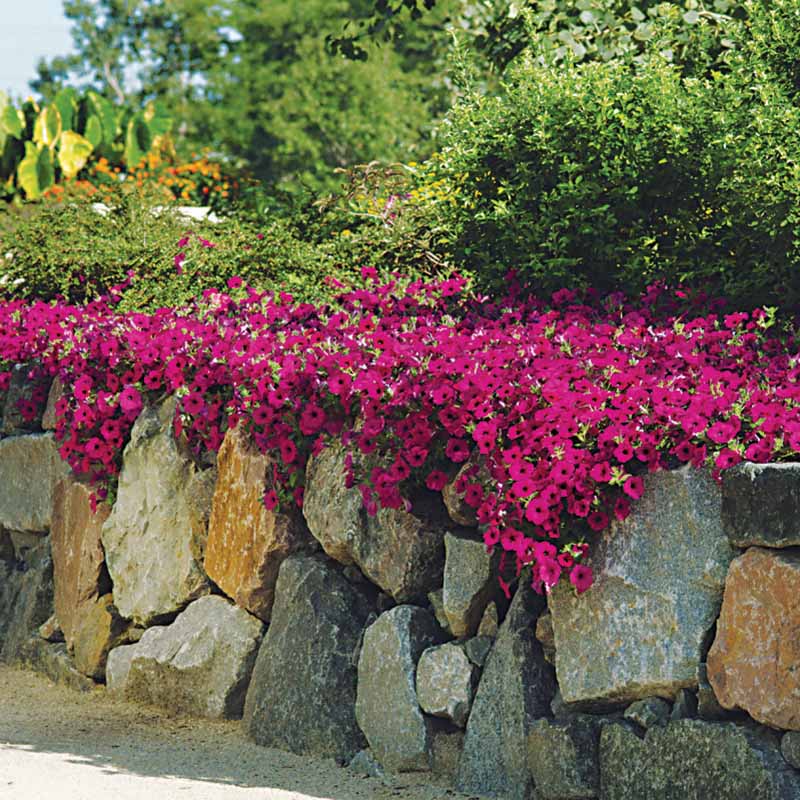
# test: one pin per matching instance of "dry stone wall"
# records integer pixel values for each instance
(385, 642)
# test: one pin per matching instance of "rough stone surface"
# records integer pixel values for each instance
(490, 622)
(246, 542)
(50, 630)
(446, 681)
(753, 663)
(26, 599)
(401, 552)
(30, 467)
(563, 757)
(761, 504)
(79, 573)
(648, 713)
(478, 649)
(26, 385)
(437, 606)
(544, 633)
(155, 536)
(447, 748)
(99, 629)
(790, 748)
(694, 760)
(470, 578)
(53, 396)
(515, 690)
(118, 667)
(685, 705)
(53, 661)
(387, 708)
(198, 665)
(708, 706)
(642, 628)
(364, 764)
(459, 510)
(303, 691)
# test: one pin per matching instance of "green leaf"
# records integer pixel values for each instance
(94, 131)
(35, 173)
(66, 101)
(73, 153)
(105, 112)
(157, 118)
(13, 121)
(48, 126)
(138, 140)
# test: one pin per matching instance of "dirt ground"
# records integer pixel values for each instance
(58, 744)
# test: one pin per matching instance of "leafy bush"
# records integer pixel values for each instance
(69, 250)
(616, 175)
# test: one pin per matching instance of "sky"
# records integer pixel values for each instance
(29, 30)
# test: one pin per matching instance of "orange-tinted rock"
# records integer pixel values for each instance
(754, 663)
(246, 542)
(78, 558)
(99, 629)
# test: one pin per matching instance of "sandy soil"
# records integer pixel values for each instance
(57, 744)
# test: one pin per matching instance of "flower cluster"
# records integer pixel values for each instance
(547, 416)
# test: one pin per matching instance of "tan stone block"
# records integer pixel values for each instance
(99, 629)
(754, 663)
(246, 542)
(78, 557)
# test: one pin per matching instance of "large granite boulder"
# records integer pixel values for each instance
(470, 581)
(641, 629)
(761, 504)
(79, 571)
(515, 690)
(26, 598)
(446, 681)
(401, 552)
(30, 467)
(247, 543)
(199, 665)
(694, 760)
(563, 756)
(155, 537)
(303, 692)
(754, 663)
(387, 708)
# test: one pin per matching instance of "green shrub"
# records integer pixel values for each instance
(615, 175)
(70, 250)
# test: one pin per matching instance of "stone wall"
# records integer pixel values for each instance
(384, 642)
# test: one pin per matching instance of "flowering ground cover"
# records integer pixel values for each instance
(550, 413)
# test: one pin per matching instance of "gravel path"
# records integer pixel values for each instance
(57, 744)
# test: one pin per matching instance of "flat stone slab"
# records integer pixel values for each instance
(30, 467)
(754, 662)
(79, 573)
(641, 629)
(761, 505)
(247, 543)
